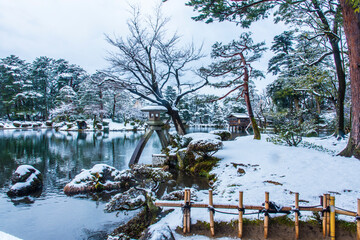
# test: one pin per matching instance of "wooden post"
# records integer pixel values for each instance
(266, 219)
(241, 207)
(296, 216)
(324, 220)
(185, 212)
(358, 220)
(327, 215)
(188, 212)
(211, 205)
(332, 218)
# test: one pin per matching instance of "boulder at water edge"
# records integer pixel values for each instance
(100, 177)
(26, 180)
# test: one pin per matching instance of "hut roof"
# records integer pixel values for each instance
(238, 115)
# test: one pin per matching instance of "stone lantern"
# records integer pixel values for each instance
(155, 124)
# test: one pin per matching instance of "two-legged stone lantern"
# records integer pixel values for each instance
(155, 124)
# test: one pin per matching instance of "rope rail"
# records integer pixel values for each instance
(326, 207)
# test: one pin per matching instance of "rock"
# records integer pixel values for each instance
(17, 124)
(121, 236)
(37, 124)
(224, 134)
(25, 125)
(99, 126)
(100, 177)
(205, 147)
(179, 195)
(2, 125)
(158, 232)
(105, 123)
(26, 180)
(81, 124)
(69, 125)
(49, 123)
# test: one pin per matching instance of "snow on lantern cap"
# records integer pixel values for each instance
(154, 113)
(154, 108)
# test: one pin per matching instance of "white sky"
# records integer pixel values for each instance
(74, 29)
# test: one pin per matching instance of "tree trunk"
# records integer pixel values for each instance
(247, 100)
(352, 32)
(179, 126)
(114, 108)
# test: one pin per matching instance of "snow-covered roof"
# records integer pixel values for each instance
(239, 115)
(154, 108)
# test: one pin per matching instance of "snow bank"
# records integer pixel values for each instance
(5, 236)
(255, 167)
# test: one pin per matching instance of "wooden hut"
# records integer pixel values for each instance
(238, 122)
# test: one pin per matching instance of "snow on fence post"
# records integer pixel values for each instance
(358, 219)
(266, 219)
(211, 210)
(241, 211)
(332, 218)
(296, 215)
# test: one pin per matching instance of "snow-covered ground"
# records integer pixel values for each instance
(113, 126)
(281, 171)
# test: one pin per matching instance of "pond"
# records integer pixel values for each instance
(60, 156)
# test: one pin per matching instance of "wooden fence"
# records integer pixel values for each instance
(326, 207)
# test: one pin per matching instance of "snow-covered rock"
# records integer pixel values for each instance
(26, 180)
(159, 232)
(224, 134)
(100, 177)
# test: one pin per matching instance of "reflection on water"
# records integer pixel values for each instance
(60, 156)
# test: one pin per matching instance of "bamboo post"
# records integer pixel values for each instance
(296, 216)
(266, 219)
(332, 218)
(324, 220)
(188, 212)
(358, 219)
(241, 208)
(185, 212)
(327, 215)
(211, 205)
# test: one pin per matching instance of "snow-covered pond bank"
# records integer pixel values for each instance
(279, 170)
(60, 156)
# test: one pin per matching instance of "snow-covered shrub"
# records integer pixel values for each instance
(26, 180)
(224, 134)
(129, 200)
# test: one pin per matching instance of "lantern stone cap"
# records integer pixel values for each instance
(154, 108)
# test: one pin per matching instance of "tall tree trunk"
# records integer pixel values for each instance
(341, 88)
(248, 102)
(175, 117)
(352, 32)
(334, 42)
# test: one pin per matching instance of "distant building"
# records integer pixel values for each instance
(238, 122)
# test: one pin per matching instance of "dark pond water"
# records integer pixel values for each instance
(60, 156)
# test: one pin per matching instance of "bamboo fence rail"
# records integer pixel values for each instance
(326, 207)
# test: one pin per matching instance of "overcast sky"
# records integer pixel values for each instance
(74, 29)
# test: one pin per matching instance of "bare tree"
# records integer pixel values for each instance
(148, 60)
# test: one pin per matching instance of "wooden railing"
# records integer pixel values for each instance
(326, 207)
